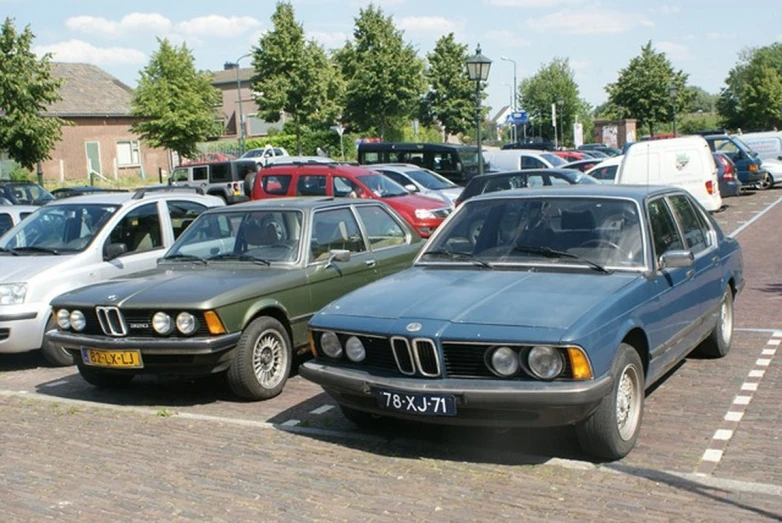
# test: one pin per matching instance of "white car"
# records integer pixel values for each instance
(419, 180)
(520, 159)
(10, 215)
(78, 241)
(605, 171)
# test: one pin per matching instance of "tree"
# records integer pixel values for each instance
(553, 84)
(176, 102)
(384, 75)
(642, 89)
(292, 76)
(752, 96)
(451, 96)
(702, 101)
(27, 89)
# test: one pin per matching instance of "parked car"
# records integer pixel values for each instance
(224, 179)
(605, 171)
(24, 193)
(517, 159)
(569, 305)
(424, 213)
(583, 165)
(607, 149)
(79, 241)
(773, 176)
(423, 181)
(458, 163)
(11, 215)
(767, 144)
(569, 156)
(234, 293)
(748, 165)
(504, 181)
(81, 190)
(730, 185)
(266, 152)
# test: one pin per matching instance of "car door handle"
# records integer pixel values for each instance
(691, 274)
(370, 263)
(715, 260)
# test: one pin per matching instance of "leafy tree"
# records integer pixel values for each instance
(451, 96)
(702, 101)
(384, 75)
(292, 76)
(554, 84)
(26, 90)
(752, 96)
(642, 89)
(176, 102)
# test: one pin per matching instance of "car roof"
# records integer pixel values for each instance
(339, 168)
(303, 203)
(633, 192)
(119, 198)
(558, 170)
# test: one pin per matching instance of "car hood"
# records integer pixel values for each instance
(18, 269)
(447, 195)
(500, 297)
(411, 202)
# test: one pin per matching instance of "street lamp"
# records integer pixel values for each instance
(673, 91)
(478, 71)
(515, 93)
(560, 105)
(240, 124)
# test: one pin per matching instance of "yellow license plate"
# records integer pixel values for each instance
(126, 359)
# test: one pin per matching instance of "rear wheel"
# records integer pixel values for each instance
(718, 343)
(55, 355)
(104, 379)
(766, 183)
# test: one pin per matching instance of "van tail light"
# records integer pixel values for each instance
(710, 187)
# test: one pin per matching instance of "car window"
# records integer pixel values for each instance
(505, 183)
(6, 222)
(696, 231)
(665, 236)
(179, 175)
(335, 229)
(182, 213)
(530, 162)
(558, 179)
(310, 185)
(345, 188)
(276, 183)
(220, 172)
(399, 178)
(535, 180)
(429, 179)
(65, 228)
(553, 159)
(382, 230)
(200, 173)
(139, 230)
(605, 174)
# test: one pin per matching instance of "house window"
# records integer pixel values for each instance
(128, 153)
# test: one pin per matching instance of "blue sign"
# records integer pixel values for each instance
(519, 117)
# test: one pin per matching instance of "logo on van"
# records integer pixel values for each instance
(682, 160)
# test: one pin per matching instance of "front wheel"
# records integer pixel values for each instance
(55, 355)
(719, 341)
(262, 362)
(766, 183)
(612, 430)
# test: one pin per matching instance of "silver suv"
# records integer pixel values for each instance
(78, 241)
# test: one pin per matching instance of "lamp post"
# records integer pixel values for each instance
(478, 71)
(673, 91)
(240, 124)
(514, 100)
(561, 116)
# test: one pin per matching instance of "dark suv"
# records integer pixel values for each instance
(24, 193)
(224, 179)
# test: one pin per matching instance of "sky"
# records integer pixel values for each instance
(700, 37)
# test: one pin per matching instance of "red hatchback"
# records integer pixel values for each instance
(425, 214)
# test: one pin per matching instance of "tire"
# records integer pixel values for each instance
(249, 182)
(55, 355)
(361, 419)
(766, 183)
(719, 341)
(104, 379)
(262, 362)
(604, 434)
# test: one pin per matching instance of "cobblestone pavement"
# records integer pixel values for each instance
(187, 450)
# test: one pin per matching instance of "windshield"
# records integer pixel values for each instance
(553, 159)
(60, 228)
(746, 149)
(469, 158)
(431, 180)
(25, 193)
(542, 230)
(265, 236)
(382, 186)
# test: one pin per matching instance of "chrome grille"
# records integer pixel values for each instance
(111, 321)
(403, 356)
(426, 357)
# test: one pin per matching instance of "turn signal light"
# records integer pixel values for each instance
(312, 344)
(213, 323)
(579, 364)
(753, 167)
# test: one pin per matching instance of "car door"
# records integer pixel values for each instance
(388, 239)
(336, 229)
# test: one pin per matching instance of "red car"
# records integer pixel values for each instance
(424, 213)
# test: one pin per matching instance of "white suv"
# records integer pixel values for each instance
(78, 241)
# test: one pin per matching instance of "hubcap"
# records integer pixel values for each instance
(726, 321)
(628, 402)
(269, 359)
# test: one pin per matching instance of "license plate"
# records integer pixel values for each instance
(415, 403)
(127, 359)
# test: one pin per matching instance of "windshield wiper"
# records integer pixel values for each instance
(185, 257)
(35, 248)
(451, 254)
(552, 253)
(10, 251)
(239, 257)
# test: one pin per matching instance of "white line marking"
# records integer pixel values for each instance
(734, 416)
(754, 219)
(762, 331)
(291, 423)
(774, 342)
(713, 455)
(723, 434)
(55, 383)
(322, 409)
(777, 334)
(756, 373)
(763, 362)
(742, 400)
(749, 386)
(768, 352)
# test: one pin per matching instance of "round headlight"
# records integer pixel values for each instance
(354, 349)
(329, 343)
(186, 323)
(504, 361)
(545, 362)
(162, 323)
(64, 319)
(78, 321)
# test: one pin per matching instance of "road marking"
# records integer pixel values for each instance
(734, 416)
(55, 383)
(763, 362)
(768, 352)
(754, 219)
(712, 455)
(291, 423)
(774, 342)
(749, 386)
(756, 373)
(742, 400)
(322, 409)
(723, 434)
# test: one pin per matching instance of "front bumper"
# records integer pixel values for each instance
(179, 356)
(21, 328)
(494, 403)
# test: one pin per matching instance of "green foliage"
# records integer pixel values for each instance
(641, 91)
(175, 101)
(553, 83)
(451, 96)
(384, 75)
(753, 94)
(702, 101)
(310, 141)
(27, 89)
(695, 122)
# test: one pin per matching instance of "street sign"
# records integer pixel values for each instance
(519, 117)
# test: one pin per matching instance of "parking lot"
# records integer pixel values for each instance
(709, 446)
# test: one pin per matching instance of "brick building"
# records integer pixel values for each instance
(226, 81)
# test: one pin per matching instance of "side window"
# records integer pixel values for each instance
(416, 158)
(556, 180)
(276, 184)
(382, 229)
(337, 229)
(664, 233)
(6, 222)
(398, 178)
(345, 188)
(370, 158)
(179, 175)
(182, 214)
(311, 186)
(139, 230)
(696, 232)
(535, 180)
(529, 162)
(220, 172)
(200, 174)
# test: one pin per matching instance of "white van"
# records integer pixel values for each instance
(685, 162)
(519, 159)
(768, 144)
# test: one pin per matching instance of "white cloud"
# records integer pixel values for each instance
(580, 65)
(532, 3)
(670, 9)
(128, 24)
(217, 26)
(674, 50)
(329, 40)
(436, 25)
(508, 38)
(589, 21)
(720, 36)
(80, 51)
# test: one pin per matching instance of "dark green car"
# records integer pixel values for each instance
(234, 293)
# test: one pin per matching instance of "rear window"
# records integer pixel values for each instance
(220, 172)
(553, 159)
(276, 184)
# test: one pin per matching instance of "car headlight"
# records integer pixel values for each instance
(63, 319)
(424, 214)
(162, 323)
(354, 349)
(545, 362)
(504, 361)
(12, 293)
(78, 321)
(330, 344)
(186, 323)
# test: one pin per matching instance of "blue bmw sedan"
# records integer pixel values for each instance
(550, 307)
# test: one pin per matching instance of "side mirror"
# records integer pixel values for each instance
(340, 255)
(411, 187)
(677, 258)
(113, 250)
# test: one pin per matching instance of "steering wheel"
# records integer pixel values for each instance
(597, 242)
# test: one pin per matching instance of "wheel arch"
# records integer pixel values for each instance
(637, 339)
(275, 311)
